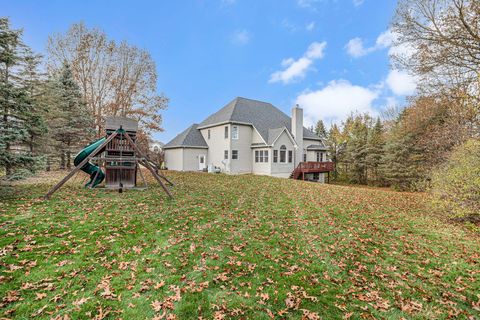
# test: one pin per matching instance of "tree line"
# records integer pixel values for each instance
(433, 143)
(52, 106)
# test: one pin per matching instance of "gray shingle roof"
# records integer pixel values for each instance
(191, 137)
(262, 115)
(273, 134)
(316, 147)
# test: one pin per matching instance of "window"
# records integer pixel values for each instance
(283, 154)
(275, 156)
(226, 132)
(261, 155)
(318, 156)
(235, 132)
(234, 154)
(225, 155)
(208, 134)
(202, 159)
(290, 156)
(321, 156)
(304, 157)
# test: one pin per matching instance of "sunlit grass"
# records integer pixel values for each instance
(231, 247)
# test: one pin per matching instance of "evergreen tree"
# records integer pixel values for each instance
(320, 130)
(18, 113)
(72, 125)
(375, 150)
(401, 162)
(33, 84)
(356, 150)
(334, 143)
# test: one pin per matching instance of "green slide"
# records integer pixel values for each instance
(90, 168)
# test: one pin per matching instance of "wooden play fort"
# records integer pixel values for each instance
(115, 159)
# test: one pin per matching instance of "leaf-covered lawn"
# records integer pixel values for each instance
(232, 247)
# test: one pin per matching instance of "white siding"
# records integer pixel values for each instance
(174, 159)
(256, 137)
(263, 168)
(243, 145)
(217, 144)
(312, 156)
(282, 169)
(184, 159)
(190, 158)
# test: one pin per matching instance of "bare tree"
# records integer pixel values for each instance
(446, 37)
(117, 80)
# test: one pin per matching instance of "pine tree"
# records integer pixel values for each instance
(356, 150)
(34, 87)
(72, 124)
(18, 113)
(375, 150)
(334, 143)
(401, 162)
(320, 130)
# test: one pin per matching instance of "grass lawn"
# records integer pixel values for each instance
(246, 247)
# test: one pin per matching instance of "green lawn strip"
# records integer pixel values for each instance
(238, 246)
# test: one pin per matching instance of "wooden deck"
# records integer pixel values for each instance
(312, 167)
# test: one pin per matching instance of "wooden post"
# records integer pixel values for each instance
(141, 175)
(147, 165)
(79, 166)
(156, 170)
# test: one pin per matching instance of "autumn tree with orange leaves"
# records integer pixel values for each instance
(116, 79)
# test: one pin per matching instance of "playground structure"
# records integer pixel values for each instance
(119, 156)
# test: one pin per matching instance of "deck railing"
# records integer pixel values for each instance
(314, 166)
(311, 167)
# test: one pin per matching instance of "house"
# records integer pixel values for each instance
(250, 136)
(155, 146)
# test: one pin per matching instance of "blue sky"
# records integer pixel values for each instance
(330, 56)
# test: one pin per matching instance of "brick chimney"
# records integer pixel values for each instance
(297, 132)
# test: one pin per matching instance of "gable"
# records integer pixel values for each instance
(284, 139)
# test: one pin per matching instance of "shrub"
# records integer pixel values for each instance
(456, 185)
(20, 174)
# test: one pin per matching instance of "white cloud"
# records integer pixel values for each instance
(296, 69)
(240, 37)
(357, 3)
(356, 48)
(401, 83)
(384, 40)
(336, 101)
(310, 26)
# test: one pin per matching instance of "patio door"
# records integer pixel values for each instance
(201, 162)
